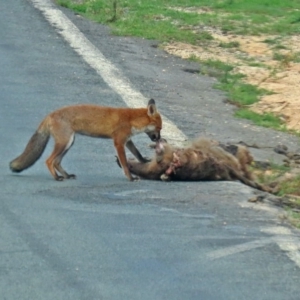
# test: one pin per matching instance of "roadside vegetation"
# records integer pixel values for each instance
(166, 20)
(286, 181)
(214, 33)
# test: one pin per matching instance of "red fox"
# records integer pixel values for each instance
(119, 124)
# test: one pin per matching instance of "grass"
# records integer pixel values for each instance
(287, 58)
(293, 216)
(149, 17)
(290, 187)
(229, 45)
(240, 93)
(274, 171)
(265, 120)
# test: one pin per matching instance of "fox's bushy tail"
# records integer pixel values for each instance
(33, 150)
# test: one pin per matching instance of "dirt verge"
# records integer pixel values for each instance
(269, 62)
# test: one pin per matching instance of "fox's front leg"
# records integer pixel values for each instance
(123, 160)
(150, 170)
(130, 145)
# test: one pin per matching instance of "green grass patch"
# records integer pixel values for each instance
(229, 45)
(280, 47)
(271, 41)
(217, 64)
(266, 120)
(275, 171)
(290, 190)
(240, 93)
(286, 58)
(290, 187)
(149, 17)
(294, 218)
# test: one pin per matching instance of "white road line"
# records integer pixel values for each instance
(282, 236)
(290, 248)
(226, 251)
(109, 72)
(286, 241)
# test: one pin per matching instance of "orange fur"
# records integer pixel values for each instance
(119, 124)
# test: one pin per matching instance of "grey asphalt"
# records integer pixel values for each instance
(100, 236)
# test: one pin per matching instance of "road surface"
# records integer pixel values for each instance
(100, 236)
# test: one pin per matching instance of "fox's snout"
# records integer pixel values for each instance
(154, 136)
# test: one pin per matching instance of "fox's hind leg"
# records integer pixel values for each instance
(57, 161)
(63, 141)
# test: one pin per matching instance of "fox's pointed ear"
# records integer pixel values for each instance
(151, 108)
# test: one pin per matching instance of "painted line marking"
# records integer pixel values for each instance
(282, 236)
(286, 241)
(239, 248)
